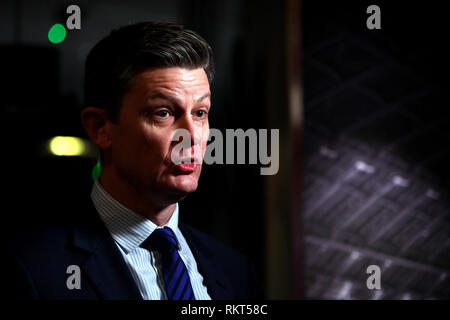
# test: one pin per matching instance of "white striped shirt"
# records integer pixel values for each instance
(129, 230)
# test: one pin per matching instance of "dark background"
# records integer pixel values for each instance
(378, 97)
(375, 138)
(42, 97)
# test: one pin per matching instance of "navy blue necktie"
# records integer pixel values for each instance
(176, 277)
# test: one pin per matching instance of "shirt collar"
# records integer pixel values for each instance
(128, 228)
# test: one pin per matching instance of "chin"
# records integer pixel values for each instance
(183, 186)
(188, 187)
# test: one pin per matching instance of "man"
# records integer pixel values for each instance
(143, 84)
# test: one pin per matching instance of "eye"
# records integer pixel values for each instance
(164, 113)
(201, 113)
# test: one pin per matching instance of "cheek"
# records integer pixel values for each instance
(205, 136)
(124, 143)
(204, 145)
(156, 144)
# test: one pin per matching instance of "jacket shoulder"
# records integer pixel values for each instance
(206, 241)
(237, 268)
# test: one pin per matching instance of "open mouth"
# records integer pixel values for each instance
(185, 165)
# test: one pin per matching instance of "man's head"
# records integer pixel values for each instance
(144, 82)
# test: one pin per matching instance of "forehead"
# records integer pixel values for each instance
(173, 80)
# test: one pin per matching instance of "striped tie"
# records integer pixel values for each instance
(176, 277)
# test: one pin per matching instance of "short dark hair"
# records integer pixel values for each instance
(127, 51)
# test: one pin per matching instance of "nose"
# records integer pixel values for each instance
(187, 123)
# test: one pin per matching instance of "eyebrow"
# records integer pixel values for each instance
(166, 96)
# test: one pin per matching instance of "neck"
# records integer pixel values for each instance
(143, 203)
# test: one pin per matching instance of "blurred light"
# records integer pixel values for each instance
(364, 167)
(326, 152)
(399, 181)
(67, 146)
(433, 194)
(406, 296)
(355, 255)
(344, 293)
(387, 263)
(377, 294)
(57, 33)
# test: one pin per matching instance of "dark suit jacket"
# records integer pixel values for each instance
(39, 258)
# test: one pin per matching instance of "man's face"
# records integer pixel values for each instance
(159, 102)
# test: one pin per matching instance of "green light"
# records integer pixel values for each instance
(67, 146)
(97, 169)
(57, 33)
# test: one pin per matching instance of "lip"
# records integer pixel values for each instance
(186, 160)
(186, 167)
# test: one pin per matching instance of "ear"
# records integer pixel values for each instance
(97, 125)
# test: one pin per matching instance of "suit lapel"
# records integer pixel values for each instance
(217, 284)
(104, 264)
(106, 268)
